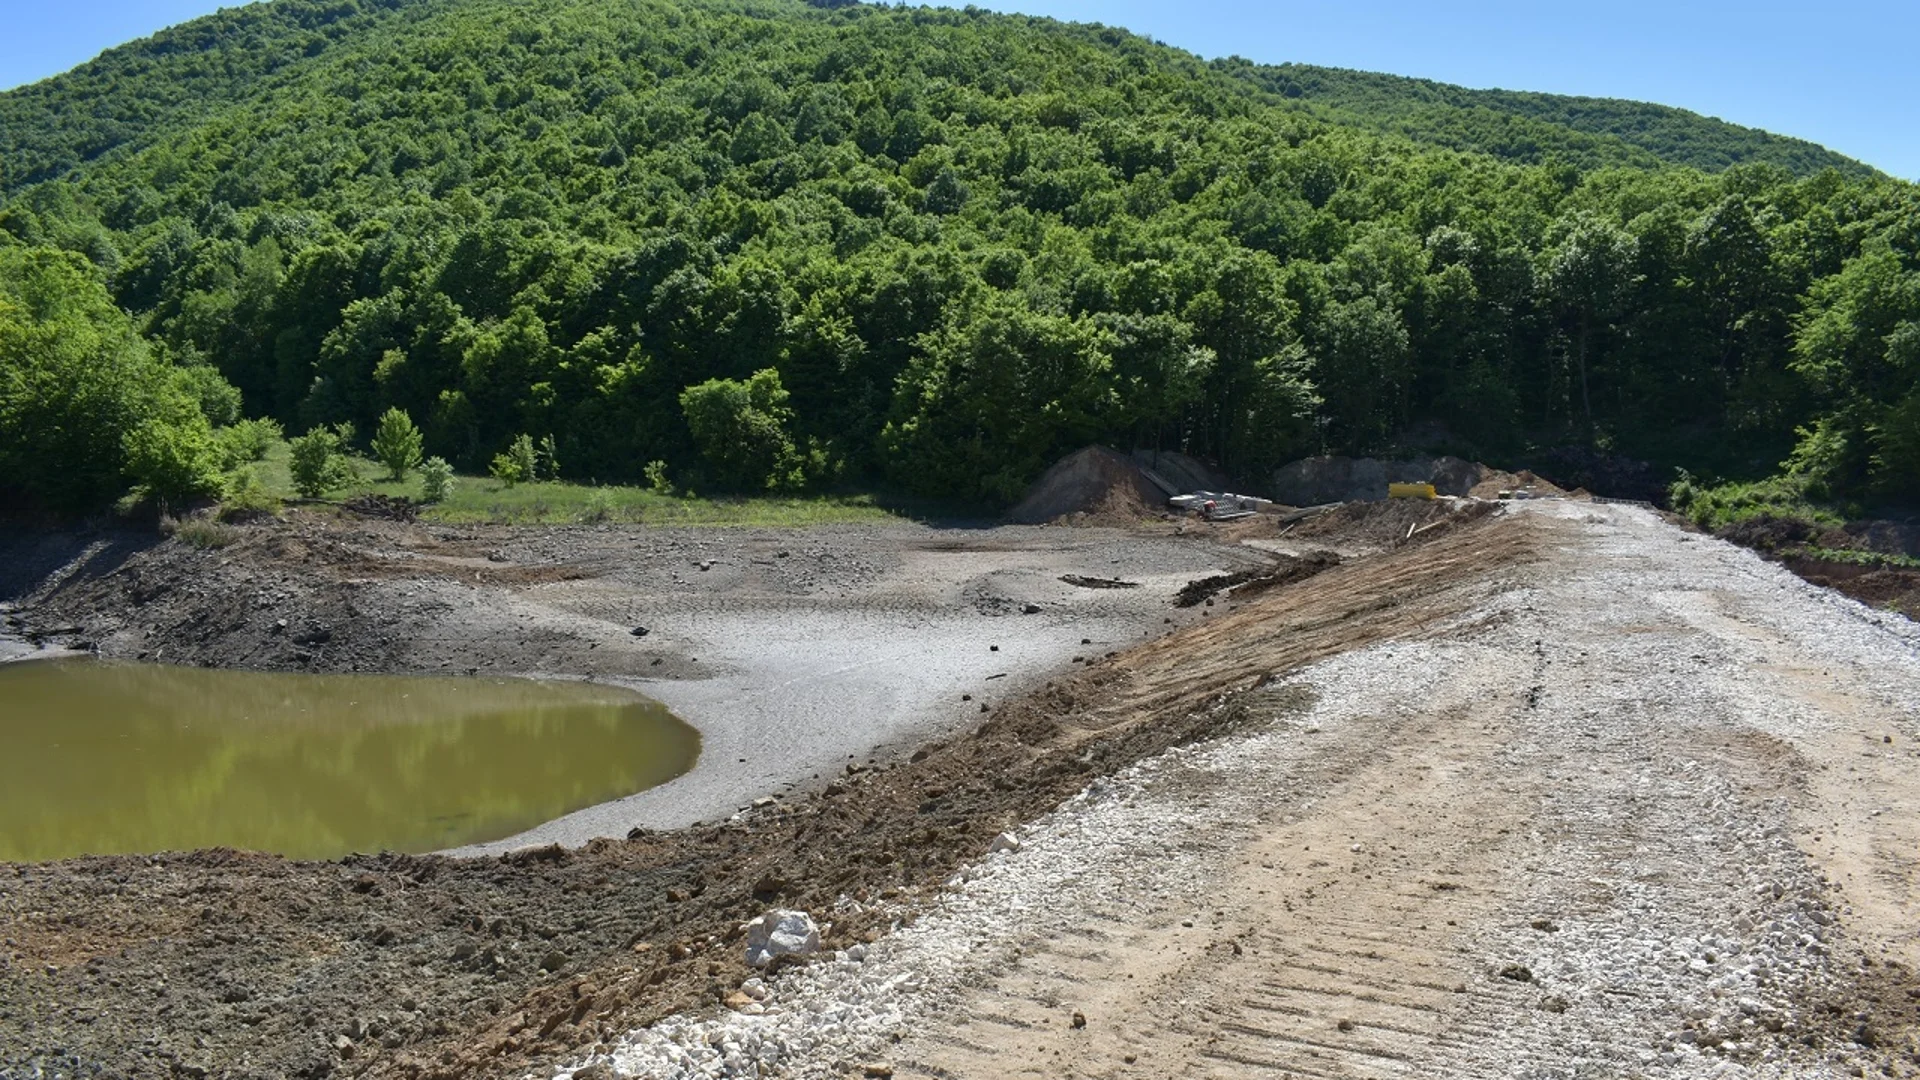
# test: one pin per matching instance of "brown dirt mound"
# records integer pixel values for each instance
(1494, 482)
(1393, 521)
(1094, 486)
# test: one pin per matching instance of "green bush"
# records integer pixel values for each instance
(741, 430)
(318, 463)
(396, 443)
(436, 480)
(246, 440)
(519, 464)
(1714, 507)
(247, 496)
(657, 482)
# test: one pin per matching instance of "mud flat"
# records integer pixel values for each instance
(793, 652)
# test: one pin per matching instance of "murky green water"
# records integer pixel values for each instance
(102, 758)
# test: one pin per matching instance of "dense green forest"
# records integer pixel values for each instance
(1530, 127)
(760, 244)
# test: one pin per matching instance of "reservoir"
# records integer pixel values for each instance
(103, 758)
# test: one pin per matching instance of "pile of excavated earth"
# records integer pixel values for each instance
(1450, 789)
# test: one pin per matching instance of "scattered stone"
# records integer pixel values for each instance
(553, 961)
(781, 933)
(1004, 842)
(1079, 1019)
(1344, 1025)
(878, 1070)
(1516, 972)
(1545, 925)
(1555, 1004)
(1030, 609)
(641, 631)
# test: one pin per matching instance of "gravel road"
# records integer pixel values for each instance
(1642, 806)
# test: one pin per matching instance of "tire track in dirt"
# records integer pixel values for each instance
(1575, 832)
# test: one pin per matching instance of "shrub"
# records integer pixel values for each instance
(173, 459)
(599, 508)
(549, 459)
(741, 429)
(247, 496)
(318, 463)
(657, 482)
(519, 464)
(199, 532)
(246, 440)
(396, 443)
(436, 480)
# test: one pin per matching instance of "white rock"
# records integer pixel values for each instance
(781, 933)
(1004, 842)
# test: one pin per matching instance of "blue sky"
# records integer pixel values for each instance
(1841, 73)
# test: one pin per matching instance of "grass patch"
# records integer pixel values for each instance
(1717, 506)
(484, 500)
(1856, 557)
(203, 533)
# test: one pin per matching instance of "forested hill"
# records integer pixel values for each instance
(1532, 127)
(758, 244)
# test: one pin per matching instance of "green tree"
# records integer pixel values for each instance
(436, 480)
(319, 463)
(1588, 274)
(396, 443)
(518, 464)
(85, 408)
(741, 429)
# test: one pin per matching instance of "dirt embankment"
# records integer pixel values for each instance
(227, 964)
(1869, 560)
(1537, 726)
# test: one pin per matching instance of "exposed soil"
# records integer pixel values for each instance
(1393, 765)
(1796, 543)
(1091, 486)
(229, 964)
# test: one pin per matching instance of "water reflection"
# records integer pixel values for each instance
(102, 758)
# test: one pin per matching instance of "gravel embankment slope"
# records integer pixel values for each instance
(1644, 807)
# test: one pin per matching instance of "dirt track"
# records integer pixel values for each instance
(1547, 795)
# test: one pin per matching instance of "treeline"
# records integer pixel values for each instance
(1533, 127)
(765, 245)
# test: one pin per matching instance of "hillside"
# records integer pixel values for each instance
(1530, 127)
(753, 244)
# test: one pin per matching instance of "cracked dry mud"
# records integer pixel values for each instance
(1561, 793)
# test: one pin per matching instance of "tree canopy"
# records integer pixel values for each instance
(771, 243)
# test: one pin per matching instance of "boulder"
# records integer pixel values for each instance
(781, 933)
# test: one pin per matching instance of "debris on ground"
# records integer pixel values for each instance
(781, 933)
(1247, 583)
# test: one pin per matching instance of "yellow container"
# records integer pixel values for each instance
(1411, 491)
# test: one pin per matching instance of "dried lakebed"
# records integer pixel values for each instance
(1561, 793)
(792, 651)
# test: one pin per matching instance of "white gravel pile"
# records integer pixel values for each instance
(1663, 905)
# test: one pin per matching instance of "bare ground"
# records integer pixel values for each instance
(1557, 793)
